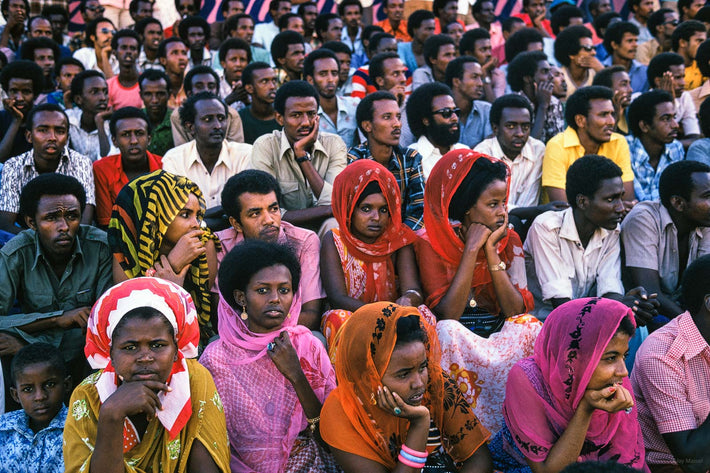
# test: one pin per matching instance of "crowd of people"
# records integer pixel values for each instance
(442, 241)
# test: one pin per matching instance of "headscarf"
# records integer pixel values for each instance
(366, 345)
(544, 391)
(144, 209)
(176, 305)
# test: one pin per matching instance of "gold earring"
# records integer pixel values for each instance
(244, 314)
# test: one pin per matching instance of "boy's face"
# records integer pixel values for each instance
(40, 390)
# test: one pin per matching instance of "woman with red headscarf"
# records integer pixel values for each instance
(473, 273)
(364, 259)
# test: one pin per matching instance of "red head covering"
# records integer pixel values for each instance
(347, 187)
(176, 305)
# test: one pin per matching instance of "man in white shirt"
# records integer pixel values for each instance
(208, 160)
(264, 33)
(433, 118)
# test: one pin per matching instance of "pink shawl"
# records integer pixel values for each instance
(544, 391)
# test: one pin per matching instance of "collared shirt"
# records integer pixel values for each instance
(699, 151)
(355, 46)
(207, 59)
(644, 34)
(565, 148)
(699, 94)
(234, 131)
(24, 450)
(559, 266)
(670, 380)
(185, 160)
(400, 34)
(86, 142)
(651, 242)
(476, 127)
(87, 56)
(406, 165)
(525, 170)
(693, 77)
(143, 63)
(347, 125)
(686, 114)
(109, 179)
(430, 154)
(27, 276)
(645, 177)
(303, 242)
(637, 74)
(20, 170)
(264, 34)
(571, 85)
(11, 41)
(647, 51)
(274, 154)
(161, 140)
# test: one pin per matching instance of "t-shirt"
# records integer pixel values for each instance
(254, 128)
(120, 96)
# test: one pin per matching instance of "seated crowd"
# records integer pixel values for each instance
(442, 241)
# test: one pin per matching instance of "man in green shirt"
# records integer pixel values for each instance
(259, 80)
(56, 269)
(155, 91)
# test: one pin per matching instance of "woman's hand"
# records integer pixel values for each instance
(610, 399)
(497, 235)
(186, 250)
(164, 270)
(476, 236)
(285, 357)
(134, 397)
(388, 401)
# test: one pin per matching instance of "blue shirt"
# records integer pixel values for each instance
(24, 451)
(637, 74)
(405, 52)
(699, 151)
(645, 177)
(477, 126)
(346, 120)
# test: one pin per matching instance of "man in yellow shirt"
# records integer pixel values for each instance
(686, 39)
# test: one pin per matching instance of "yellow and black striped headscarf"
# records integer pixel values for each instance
(144, 209)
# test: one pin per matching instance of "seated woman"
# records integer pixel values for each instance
(149, 408)
(362, 260)
(394, 410)
(272, 373)
(156, 230)
(572, 400)
(473, 273)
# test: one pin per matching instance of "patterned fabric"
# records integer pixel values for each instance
(156, 451)
(86, 142)
(161, 140)
(308, 456)
(20, 170)
(143, 211)
(646, 178)
(406, 165)
(352, 423)
(24, 450)
(544, 391)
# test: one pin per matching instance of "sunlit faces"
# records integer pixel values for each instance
(210, 123)
(678, 72)
(470, 85)
(127, 52)
(447, 53)
(621, 82)
(586, 49)
(282, 8)
(425, 30)
(56, 222)
(370, 218)
(175, 60)
(245, 29)
(186, 8)
(535, 8)
(490, 208)
(48, 134)
(152, 36)
(693, 43)
(691, 10)
(559, 84)
(487, 13)
(263, 86)
(293, 61)
(144, 9)
(449, 12)
(627, 49)
(407, 373)
(387, 45)
(132, 139)
(482, 50)
(267, 298)
(204, 83)
(543, 73)
(196, 38)
(299, 117)
(40, 389)
(94, 96)
(513, 130)
(326, 75)
(104, 34)
(394, 10)
(234, 7)
(16, 8)
(310, 13)
(386, 125)
(352, 16)
(67, 74)
(599, 122)
(93, 10)
(697, 209)
(644, 9)
(295, 23)
(443, 129)
(234, 63)
(605, 208)
(345, 60)
(395, 74)
(154, 94)
(663, 127)
(41, 28)
(455, 31)
(44, 57)
(189, 218)
(611, 369)
(259, 216)
(334, 31)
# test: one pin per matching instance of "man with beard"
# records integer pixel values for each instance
(151, 32)
(288, 50)
(155, 90)
(88, 120)
(308, 11)
(464, 77)
(98, 55)
(652, 142)
(621, 41)
(337, 114)
(251, 201)
(434, 121)
(388, 73)
(123, 89)
(379, 119)
(195, 31)
(45, 53)
(209, 159)
(345, 58)
(259, 118)
(394, 24)
(48, 135)
(21, 81)
(617, 79)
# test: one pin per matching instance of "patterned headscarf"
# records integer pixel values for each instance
(176, 305)
(143, 211)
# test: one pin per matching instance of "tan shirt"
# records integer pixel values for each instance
(273, 154)
(558, 266)
(651, 241)
(185, 161)
(699, 94)
(525, 170)
(234, 132)
(647, 51)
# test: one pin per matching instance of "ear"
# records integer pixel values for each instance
(310, 79)
(30, 222)
(240, 298)
(78, 100)
(706, 301)
(582, 201)
(279, 118)
(380, 81)
(113, 140)
(366, 126)
(657, 82)
(528, 80)
(13, 394)
(645, 127)
(236, 225)
(580, 121)
(456, 83)
(425, 121)
(28, 136)
(163, 61)
(280, 61)
(190, 127)
(494, 128)
(678, 203)
(249, 88)
(682, 44)
(67, 383)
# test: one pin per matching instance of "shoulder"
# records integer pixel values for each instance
(107, 165)
(12, 421)
(178, 151)
(646, 210)
(330, 139)
(92, 234)
(298, 234)
(242, 148)
(270, 139)
(23, 241)
(548, 221)
(79, 158)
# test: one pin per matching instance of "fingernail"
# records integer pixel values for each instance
(612, 389)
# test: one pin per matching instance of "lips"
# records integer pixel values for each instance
(274, 313)
(374, 228)
(416, 398)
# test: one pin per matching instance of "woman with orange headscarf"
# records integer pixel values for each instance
(362, 260)
(394, 410)
(473, 274)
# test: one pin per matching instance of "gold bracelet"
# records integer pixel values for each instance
(313, 422)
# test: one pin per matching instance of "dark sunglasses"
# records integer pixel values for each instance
(672, 22)
(589, 49)
(96, 9)
(107, 31)
(447, 112)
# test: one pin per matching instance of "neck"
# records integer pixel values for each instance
(353, 31)
(585, 228)
(57, 262)
(208, 154)
(150, 54)
(529, 91)
(196, 55)
(381, 152)
(262, 110)
(128, 76)
(463, 103)
(508, 154)
(176, 81)
(293, 75)
(688, 60)
(136, 166)
(88, 121)
(417, 46)
(156, 120)
(394, 24)
(578, 74)
(43, 165)
(620, 61)
(640, 20)
(329, 104)
(653, 148)
(682, 224)
(590, 145)
(438, 76)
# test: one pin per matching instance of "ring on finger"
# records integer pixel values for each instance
(270, 346)
(397, 411)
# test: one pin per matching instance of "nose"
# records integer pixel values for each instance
(619, 206)
(145, 355)
(134, 138)
(62, 224)
(419, 381)
(40, 394)
(621, 370)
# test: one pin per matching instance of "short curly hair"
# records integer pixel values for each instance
(567, 43)
(50, 183)
(661, 64)
(579, 102)
(508, 101)
(524, 65)
(562, 17)
(188, 109)
(293, 88)
(685, 31)
(615, 33)
(253, 181)
(586, 174)
(366, 108)
(192, 22)
(419, 105)
(518, 42)
(677, 179)
(643, 109)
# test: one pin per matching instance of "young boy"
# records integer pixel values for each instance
(31, 438)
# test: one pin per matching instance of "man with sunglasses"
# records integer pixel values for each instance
(433, 118)
(661, 24)
(574, 50)
(98, 55)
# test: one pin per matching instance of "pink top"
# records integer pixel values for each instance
(119, 96)
(670, 380)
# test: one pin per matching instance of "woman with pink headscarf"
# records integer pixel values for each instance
(272, 373)
(572, 400)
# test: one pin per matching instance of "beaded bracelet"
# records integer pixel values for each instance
(409, 463)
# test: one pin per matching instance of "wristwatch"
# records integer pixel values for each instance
(498, 267)
(304, 158)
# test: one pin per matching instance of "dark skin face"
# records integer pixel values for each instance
(20, 92)
(263, 85)
(299, 117)
(49, 135)
(132, 139)
(370, 218)
(186, 8)
(40, 389)
(196, 38)
(188, 219)
(245, 29)
(56, 222)
(144, 10)
(93, 11)
(41, 28)
(259, 216)
(154, 94)
(94, 96)
(175, 60)
(697, 209)
(513, 130)
(663, 127)
(204, 83)
(210, 123)
(408, 372)
(152, 36)
(267, 298)
(352, 16)
(127, 52)
(490, 208)
(44, 57)
(487, 15)
(66, 74)
(611, 369)
(606, 208)
(234, 63)
(310, 13)
(58, 25)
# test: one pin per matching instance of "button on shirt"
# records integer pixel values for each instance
(645, 177)
(525, 170)
(430, 154)
(273, 154)
(355, 46)
(651, 241)
(185, 161)
(25, 451)
(559, 266)
(20, 170)
(670, 382)
(347, 125)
